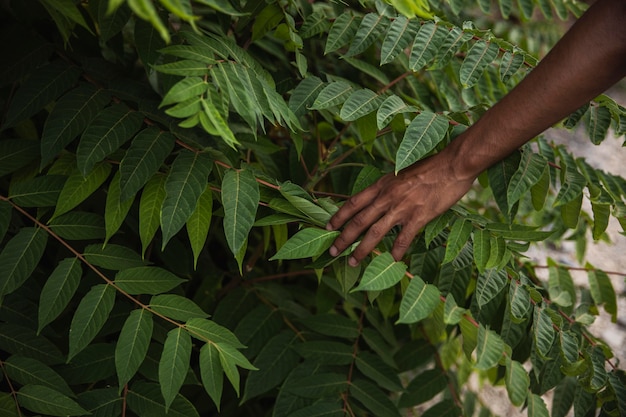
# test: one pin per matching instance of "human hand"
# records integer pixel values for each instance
(410, 199)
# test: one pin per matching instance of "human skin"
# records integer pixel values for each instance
(586, 61)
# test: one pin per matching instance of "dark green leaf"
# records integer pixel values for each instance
(18, 340)
(58, 290)
(40, 191)
(26, 371)
(16, 153)
(400, 34)
(309, 242)
(115, 210)
(209, 331)
(427, 42)
(132, 344)
(489, 349)
(42, 399)
(145, 400)
(326, 352)
(373, 398)
(424, 387)
(78, 187)
(146, 280)
(174, 363)
(341, 32)
(372, 26)
(240, 197)
(332, 325)
(517, 382)
(20, 257)
(322, 385)
(113, 257)
(176, 307)
(78, 225)
(478, 58)
(152, 198)
(211, 372)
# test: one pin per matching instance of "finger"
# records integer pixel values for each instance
(351, 207)
(373, 236)
(355, 227)
(404, 239)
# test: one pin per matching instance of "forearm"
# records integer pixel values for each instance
(585, 62)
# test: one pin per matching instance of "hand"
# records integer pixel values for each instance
(410, 199)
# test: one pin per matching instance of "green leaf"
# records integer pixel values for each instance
(44, 86)
(132, 344)
(427, 42)
(452, 314)
(223, 6)
(111, 24)
(174, 363)
(390, 108)
(480, 55)
(146, 280)
(375, 368)
(101, 402)
(176, 307)
(617, 385)
(91, 314)
(445, 408)
(211, 372)
(332, 325)
(382, 273)
(40, 191)
(146, 154)
(536, 406)
(372, 26)
(78, 187)
(45, 400)
(309, 242)
(326, 352)
(94, 363)
(597, 123)
(601, 215)
(570, 211)
(16, 153)
(539, 191)
(564, 394)
(400, 34)
(184, 67)
(459, 234)
(227, 77)
(115, 211)
(373, 398)
(489, 349)
(543, 332)
(569, 346)
(517, 382)
(489, 285)
(499, 176)
(560, 281)
(320, 409)
(209, 331)
(341, 32)
(240, 197)
(455, 39)
(218, 124)
(6, 211)
(518, 232)
(314, 24)
(78, 225)
(418, 302)
(510, 64)
(332, 94)
(185, 183)
(321, 385)
(145, 399)
(482, 249)
(573, 182)
(199, 222)
(25, 371)
(58, 290)
(113, 257)
(520, 301)
(422, 136)
(603, 292)
(23, 341)
(424, 387)
(152, 198)
(185, 89)
(275, 361)
(230, 358)
(109, 130)
(20, 257)
(529, 172)
(360, 103)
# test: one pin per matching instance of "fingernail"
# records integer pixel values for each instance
(352, 261)
(332, 251)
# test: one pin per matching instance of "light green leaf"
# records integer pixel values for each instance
(382, 273)
(392, 106)
(185, 89)
(427, 42)
(218, 123)
(199, 222)
(418, 302)
(146, 280)
(240, 197)
(45, 400)
(424, 387)
(520, 301)
(78, 187)
(174, 363)
(332, 94)
(152, 198)
(42, 191)
(144, 399)
(510, 64)
(400, 34)
(489, 285)
(275, 361)
(58, 290)
(452, 313)
(372, 26)
(517, 382)
(603, 292)
(423, 134)
(132, 344)
(211, 372)
(113, 257)
(309, 242)
(185, 183)
(342, 31)
(227, 77)
(20, 257)
(536, 406)
(373, 398)
(45, 85)
(543, 332)
(529, 172)
(560, 281)
(176, 307)
(480, 55)
(16, 153)
(146, 154)
(91, 314)
(109, 130)
(115, 210)
(25, 371)
(360, 103)
(81, 105)
(78, 225)
(489, 349)
(459, 234)
(209, 331)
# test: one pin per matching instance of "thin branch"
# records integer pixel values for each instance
(13, 392)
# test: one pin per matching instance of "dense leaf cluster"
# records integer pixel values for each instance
(166, 172)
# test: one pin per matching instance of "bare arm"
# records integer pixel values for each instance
(585, 62)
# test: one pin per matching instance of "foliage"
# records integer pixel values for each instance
(166, 172)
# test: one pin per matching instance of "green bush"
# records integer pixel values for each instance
(166, 172)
